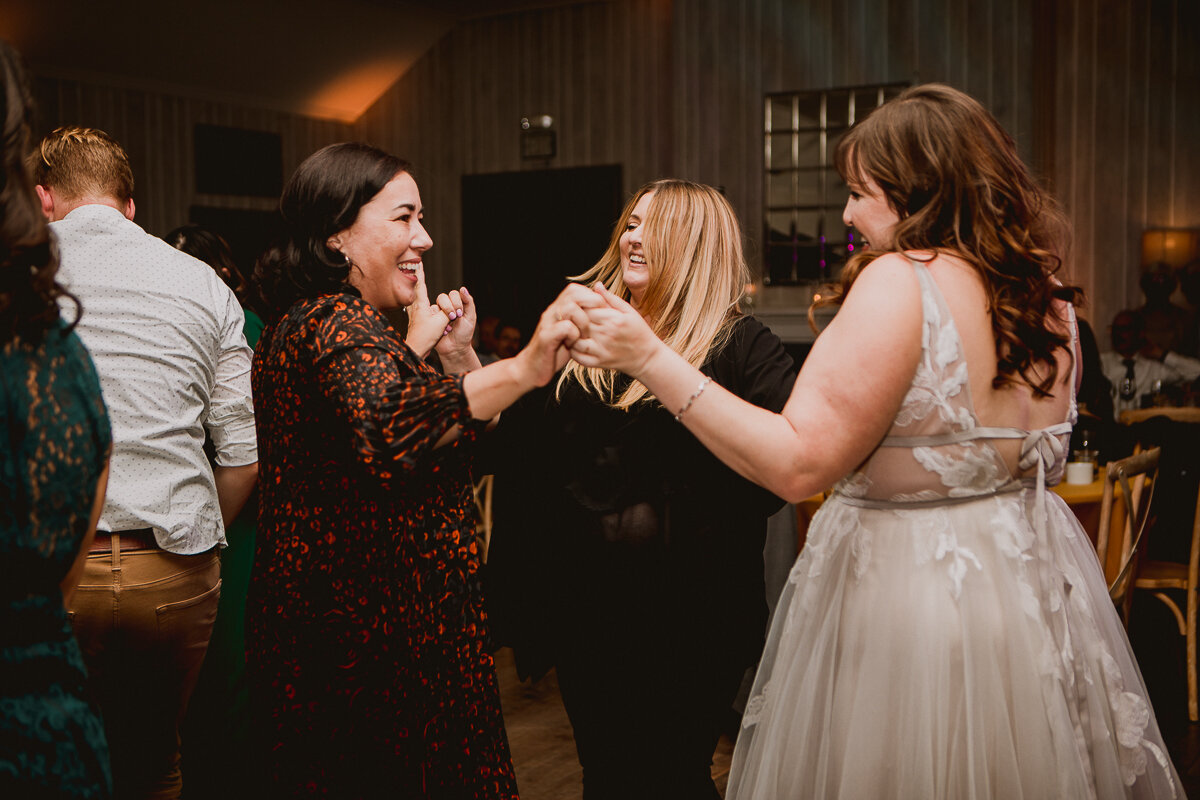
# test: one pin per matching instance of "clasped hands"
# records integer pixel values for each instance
(598, 329)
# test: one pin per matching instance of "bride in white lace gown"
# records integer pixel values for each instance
(946, 632)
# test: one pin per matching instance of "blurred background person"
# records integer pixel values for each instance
(366, 637)
(216, 729)
(1164, 324)
(625, 554)
(54, 447)
(486, 333)
(1137, 368)
(508, 340)
(209, 246)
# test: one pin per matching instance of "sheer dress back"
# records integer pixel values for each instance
(946, 632)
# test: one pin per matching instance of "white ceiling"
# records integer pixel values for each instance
(324, 58)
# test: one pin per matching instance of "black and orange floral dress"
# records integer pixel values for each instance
(365, 626)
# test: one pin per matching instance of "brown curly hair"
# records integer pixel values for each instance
(28, 259)
(953, 176)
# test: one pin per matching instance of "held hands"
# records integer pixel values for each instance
(614, 336)
(559, 327)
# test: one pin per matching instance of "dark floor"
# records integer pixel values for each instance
(547, 768)
(1162, 655)
(539, 734)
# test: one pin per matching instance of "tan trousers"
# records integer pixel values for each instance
(143, 619)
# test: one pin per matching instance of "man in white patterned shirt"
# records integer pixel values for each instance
(166, 336)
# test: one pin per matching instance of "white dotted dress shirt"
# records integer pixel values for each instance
(166, 336)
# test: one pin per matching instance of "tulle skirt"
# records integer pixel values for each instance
(948, 652)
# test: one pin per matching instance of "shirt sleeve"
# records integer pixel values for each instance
(396, 408)
(230, 420)
(1188, 369)
(756, 367)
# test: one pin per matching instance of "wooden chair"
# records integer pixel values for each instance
(483, 503)
(1159, 576)
(1120, 539)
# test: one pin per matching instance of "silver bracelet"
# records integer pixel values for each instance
(699, 391)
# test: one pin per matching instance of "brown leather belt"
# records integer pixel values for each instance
(136, 539)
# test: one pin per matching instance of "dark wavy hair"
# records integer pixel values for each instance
(322, 198)
(211, 248)
(953, 176)
(28, 258)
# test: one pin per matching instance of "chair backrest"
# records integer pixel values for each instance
(1124, 518)
(483, 504)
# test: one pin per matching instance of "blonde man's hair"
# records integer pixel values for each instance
(83, 162)
(697, 278)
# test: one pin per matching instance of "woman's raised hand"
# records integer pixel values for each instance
(616, 337)
(427, 323)
(459, 308)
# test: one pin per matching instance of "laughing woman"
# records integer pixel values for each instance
(625, 554)
(365, 629)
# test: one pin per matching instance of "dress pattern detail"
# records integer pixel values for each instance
(365, 626)
(54, 441)
(947, 631)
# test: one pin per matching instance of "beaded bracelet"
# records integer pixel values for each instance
(699, 391)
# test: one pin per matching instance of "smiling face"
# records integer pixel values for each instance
(634, 271)
(870, 213)
(385, 245)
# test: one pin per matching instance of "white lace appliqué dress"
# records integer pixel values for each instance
(946, 632)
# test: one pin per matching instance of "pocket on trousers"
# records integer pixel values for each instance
(192, 618)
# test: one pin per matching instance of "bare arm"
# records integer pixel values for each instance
(234, 485)
(76, 571)
(843, 403)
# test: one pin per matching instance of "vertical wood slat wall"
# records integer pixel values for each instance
(1127, 129)
(675, 87)
(156, 130)
(1102, 96)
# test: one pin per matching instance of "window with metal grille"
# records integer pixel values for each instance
(804, 238)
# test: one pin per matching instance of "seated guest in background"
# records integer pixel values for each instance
(216, 729)
(54, 444)
(486, 333)
(1095, 428)
(508, 340)
(1165, 323)
(625, 554)
(1137, 368)
(1189, 284)
(366, 637)
(166, 336)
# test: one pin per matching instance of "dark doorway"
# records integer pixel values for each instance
(525, 232)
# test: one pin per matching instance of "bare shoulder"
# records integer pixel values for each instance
(889, 277)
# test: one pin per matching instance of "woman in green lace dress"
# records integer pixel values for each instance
(54, 444)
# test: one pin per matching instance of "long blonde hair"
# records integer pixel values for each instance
(698, 276)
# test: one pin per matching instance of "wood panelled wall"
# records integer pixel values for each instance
(156, 130)
(675, 87)
(1101, 96)
(1126, 136)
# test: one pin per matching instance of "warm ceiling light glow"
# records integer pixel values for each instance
(348, 95)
